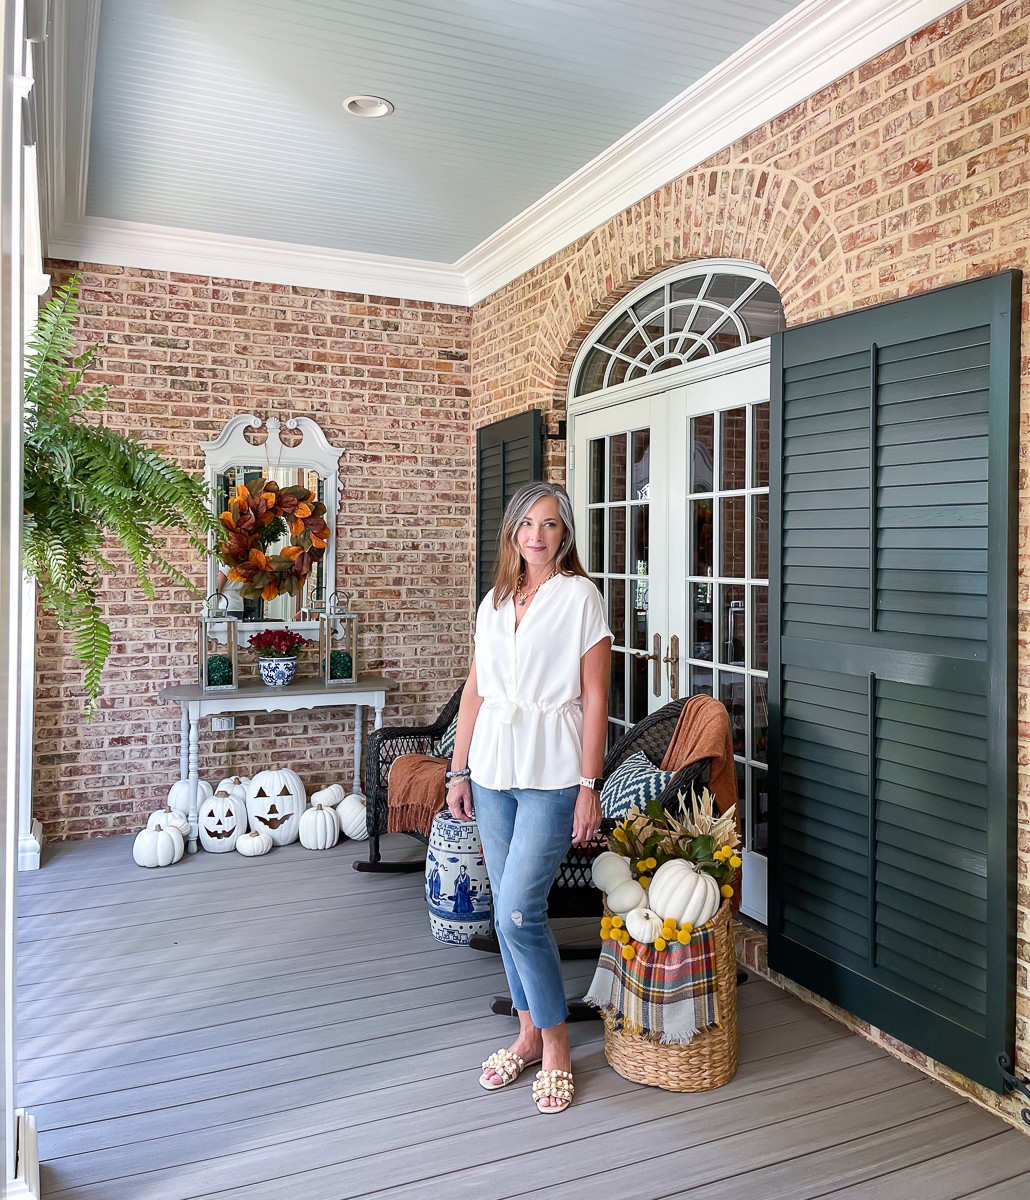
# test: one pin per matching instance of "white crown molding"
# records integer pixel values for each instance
(161, 248)
(814, 44)
(810, 47)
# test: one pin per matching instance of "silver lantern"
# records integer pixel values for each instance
(216, 639)
(338, 642)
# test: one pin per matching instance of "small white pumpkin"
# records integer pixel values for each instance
(235, 786)
(170, 818)
(319, 828)
(609, 870)
(643, 925)
(275, 800)
(179, 794)
(626, 896)
(352, 813)
(158, 847)
(332, 795)
(221, 820)
(252, 844)
(678, 890)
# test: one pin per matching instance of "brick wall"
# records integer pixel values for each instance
(387, 380)
(909, 173)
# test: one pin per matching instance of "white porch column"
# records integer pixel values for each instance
(30, 830)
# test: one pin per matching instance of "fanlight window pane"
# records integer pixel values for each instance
(728, 289)
(763, 313)
(591, 378)
(616, 334)
(687, 289)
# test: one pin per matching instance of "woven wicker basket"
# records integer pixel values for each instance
(710, 1060)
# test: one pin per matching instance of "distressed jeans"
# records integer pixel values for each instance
(525, 834)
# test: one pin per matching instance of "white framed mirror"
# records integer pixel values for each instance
(230, 460)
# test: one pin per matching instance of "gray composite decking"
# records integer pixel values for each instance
(284, 1028)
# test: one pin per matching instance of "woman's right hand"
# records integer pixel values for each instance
(459, 800)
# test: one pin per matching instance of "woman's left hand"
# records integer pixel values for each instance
(587, 819)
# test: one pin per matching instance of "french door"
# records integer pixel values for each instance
(672, 504)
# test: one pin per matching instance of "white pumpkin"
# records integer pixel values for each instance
(332, 795)
(221, 819)
(158, 847)
(179, 794)
(609, 870)
(680, 891)
(626, 896)
(252, 844)
(169, 818)
(235, 786)
(319, 828)
(643, 925)
(353, 817)
(275, 800)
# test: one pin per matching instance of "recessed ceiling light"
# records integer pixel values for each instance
(368, 106)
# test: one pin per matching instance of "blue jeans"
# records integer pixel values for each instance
(526, 833)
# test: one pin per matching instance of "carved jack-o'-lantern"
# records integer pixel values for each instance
(221, 818)
(275, 800)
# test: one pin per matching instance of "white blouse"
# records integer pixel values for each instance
(529, 731)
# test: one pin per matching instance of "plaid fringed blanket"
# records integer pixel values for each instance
(666, 996)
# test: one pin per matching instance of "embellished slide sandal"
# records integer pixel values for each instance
(508, 1065)
(554, 1085)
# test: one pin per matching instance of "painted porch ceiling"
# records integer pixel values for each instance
(226, 115)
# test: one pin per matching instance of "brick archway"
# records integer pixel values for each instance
(741, 211)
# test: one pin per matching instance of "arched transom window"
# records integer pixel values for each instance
(695, 312)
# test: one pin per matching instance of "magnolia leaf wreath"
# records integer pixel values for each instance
(254, 507)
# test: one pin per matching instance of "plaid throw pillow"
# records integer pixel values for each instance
(445, 746)
(635, 781)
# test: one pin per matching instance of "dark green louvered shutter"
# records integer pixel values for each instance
(892, 682)
(508, 454)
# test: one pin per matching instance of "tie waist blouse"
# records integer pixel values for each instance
(529, 731)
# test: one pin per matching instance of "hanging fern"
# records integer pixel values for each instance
(85, 483)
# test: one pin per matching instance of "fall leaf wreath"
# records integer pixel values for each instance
(254, 507)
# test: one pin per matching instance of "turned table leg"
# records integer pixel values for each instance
(184, 742)
(359, 713)
(194, 775)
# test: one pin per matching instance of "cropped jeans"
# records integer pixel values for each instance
(526, 833)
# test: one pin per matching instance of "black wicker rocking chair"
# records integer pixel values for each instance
(384, 746)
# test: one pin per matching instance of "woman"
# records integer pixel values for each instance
(529, 752)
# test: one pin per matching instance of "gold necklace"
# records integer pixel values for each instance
(524, 596)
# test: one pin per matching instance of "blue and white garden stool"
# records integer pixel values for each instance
(457, 887)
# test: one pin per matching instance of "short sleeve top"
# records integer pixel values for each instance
(529, 732)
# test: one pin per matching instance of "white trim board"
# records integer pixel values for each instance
(160, 248)
(810, 47)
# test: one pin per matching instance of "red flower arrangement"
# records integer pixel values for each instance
(277, 643)
(256, 505)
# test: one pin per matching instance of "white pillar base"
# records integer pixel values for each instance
(29, 847)
(25, 1185)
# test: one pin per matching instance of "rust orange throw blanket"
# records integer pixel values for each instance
(415, 792)
(703, 731)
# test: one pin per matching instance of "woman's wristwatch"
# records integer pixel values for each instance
(595, 784)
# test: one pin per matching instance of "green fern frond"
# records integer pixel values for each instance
(83, 482)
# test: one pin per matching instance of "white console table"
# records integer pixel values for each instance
(370, 690)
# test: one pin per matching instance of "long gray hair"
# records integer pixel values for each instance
(510, 563)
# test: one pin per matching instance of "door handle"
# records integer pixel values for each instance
(656, 660)
(673, 661)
